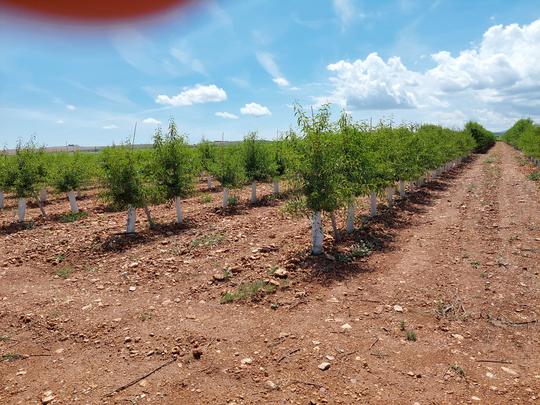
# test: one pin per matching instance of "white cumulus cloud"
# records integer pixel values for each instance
(151, 121)
(198, 94)
(111, 126)
(255, 110)
(346, 11)
(226, 115)
(70, 107)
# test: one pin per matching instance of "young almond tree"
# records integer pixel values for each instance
(123, 181)
(229, 172)
(320, 169)
(207, 159)
(257, 162)
(26, 175)
(69, 176)
(279, 165)
(173, 166)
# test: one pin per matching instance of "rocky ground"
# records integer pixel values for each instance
(435, 301)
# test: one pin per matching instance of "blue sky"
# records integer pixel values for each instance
(234, 66)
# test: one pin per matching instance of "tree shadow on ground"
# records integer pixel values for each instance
(348, 257)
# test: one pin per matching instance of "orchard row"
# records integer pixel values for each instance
(327, 163)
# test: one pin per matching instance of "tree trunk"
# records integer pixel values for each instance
(43, 195)
(149, 217)
(317, 236)
(225, 197)
(132, 215)
(401, 188)
(179, 216)
(42, 208)
(334, 226)
(73, 202)
(373, 204)
(209, 182)
(276, 186)
(351, 214)
(253, 192)
(22, 209)
(390, 196)
(1, 200)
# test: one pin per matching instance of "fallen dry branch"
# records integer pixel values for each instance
(493, 361)
(123, 387)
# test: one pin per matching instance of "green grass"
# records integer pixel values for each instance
(72, 217)
(205, 199)
(458, 370)
(402, 326)
(12, 357)
(233, 201)
(360, 249)
(212, 239)
(411, 336)
(247, 290)
(64, 272)
(5, 338)
(534, 176)
(475, 264)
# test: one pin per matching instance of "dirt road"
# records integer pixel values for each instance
(444, 310)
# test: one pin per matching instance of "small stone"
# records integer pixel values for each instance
(219, 277)
(143, 383)
(490, 375)
(127, 339)
(330, 358)
(398, 308)
(21, 372)
(247, 360)
(132, 288)
(509, 371)
(475, 398)
(281, 273)
(271, 385)
(47, 397)
(333, 300)
(346, 326)
(324, 366)
(457, 336)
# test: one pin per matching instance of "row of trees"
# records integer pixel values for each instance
(327, 164)
(525, 135)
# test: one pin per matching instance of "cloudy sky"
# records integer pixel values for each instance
(227, 67)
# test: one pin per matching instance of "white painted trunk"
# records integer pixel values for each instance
(254, 192)
(43, 195)
(317, 236)
(225, 197)
(73, 202)
(22, 209)
(209, 182)
(179, 216)
(390, 196)
(276, 186)
(132, 215)
(1, 200)
(402, 188)
(373, 204)
(351, 215)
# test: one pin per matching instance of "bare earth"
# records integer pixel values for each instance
(88, 311)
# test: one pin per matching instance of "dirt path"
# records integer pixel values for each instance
(458, 271)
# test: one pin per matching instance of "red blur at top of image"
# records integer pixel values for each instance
(92, 10)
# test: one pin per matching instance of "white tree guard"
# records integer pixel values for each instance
(43, 195)
(179, 214)
(390, 195)
(22, 209)
(73, 202)
(254, 192)
(132, 216)
(351, 215)
(317, 235)
(276, 186)
(1, 200)
(373, 204)
(209, 182)
(225, 197)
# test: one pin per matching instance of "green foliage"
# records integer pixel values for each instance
(484, 138)
(524, 135)
(69, 172)
(229, 170)
(73, 217)
(122, 177)
(207, 155)
(257, 158)
(248, 290)
(25, 174)
(173, 163)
